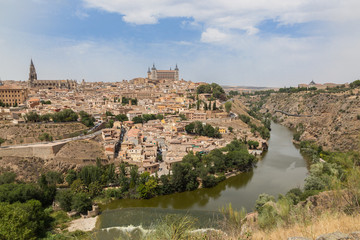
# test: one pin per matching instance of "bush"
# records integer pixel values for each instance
(262, 199)
(81, 202)
(7, 177)
(45, 137)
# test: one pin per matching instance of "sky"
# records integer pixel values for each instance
(273, 43)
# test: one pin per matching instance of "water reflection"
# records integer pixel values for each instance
(185, 200)
(281, 169)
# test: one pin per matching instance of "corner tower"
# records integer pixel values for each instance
(153, 73)
(176, 73)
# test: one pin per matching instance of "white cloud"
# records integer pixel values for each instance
(213, 35)
(227, 15)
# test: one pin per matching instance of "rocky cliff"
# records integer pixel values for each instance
(330, 119)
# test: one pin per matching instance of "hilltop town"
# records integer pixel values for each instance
(147, 121)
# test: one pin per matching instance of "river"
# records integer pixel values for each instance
(280, 169)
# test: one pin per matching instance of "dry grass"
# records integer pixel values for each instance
(326, 223)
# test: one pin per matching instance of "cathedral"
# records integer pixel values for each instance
(157, 75)
(48, 84)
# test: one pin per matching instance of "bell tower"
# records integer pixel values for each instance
(32, 74)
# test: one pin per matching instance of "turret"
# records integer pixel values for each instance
(148, 73)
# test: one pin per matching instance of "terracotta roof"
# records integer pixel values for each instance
(133, 132)
(11, 87)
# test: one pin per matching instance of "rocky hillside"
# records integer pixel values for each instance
(72, 155)
(30, 132)
(330, 119)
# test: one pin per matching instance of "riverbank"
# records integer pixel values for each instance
(83, 224)
(281, 168)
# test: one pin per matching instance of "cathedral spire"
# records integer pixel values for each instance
(32, 74)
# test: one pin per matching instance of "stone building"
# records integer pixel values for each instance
(12, 95)
(157, 75)
(33, 82)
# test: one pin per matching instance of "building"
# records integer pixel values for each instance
(157, 75)
(33, 82)
(13, 95)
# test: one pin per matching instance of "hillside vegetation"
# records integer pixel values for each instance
(33, 132)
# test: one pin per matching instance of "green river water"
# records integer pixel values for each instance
(280, 169)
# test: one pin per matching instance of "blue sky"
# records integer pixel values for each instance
(244, 42)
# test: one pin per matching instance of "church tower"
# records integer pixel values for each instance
(32, 74)
(176, 73)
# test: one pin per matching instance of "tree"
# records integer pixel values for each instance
(209, 181)
(108, 113)
(184, 178)
(159, 116)
(77, 186)
(66, 115)
(48, 190)
(148, 189)
(123, 180)
(70, 177)
(64, 197)
(253, 144)
(45, 118)
(134, 176)
(166, 187)
(95, 189)
(86, 119)
(205, 106)
(231, 129)
(13, 192)
(124, 100)
(2, 141)
(89, 174)
(138, 119)
(121, 117)
(228, 106)
(233, 93)
(134, 101)
(214, 106)
(355, 84)
(23, 220)
(198, 128)
(32, 117)
(81, 202)
(54, 178)
(190, 128)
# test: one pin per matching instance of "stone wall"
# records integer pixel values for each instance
(44, 151)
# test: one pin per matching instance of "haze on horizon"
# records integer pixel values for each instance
(271, 43)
